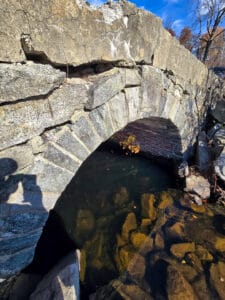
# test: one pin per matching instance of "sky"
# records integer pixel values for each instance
(174, 13)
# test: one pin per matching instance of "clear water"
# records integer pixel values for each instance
(95, 204)
(175, 252)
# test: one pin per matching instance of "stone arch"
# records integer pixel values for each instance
(58, 228)
(107, 104)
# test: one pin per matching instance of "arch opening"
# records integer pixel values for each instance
(109, 188)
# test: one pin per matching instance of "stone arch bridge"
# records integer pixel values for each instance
(70, 77)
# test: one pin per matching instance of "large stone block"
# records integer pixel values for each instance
(119, 111)
(19, 81)
(21, 121)
(58, 156)
(152, 90)
(133, 98)
(102, 121)
(68, 141)
(105, 88)
(85, 133)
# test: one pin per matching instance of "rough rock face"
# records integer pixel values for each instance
(117, 65)
(62, 282)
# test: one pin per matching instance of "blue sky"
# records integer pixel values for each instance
(174, 13)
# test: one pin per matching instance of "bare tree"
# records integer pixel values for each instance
(210, 15)
(186, 38)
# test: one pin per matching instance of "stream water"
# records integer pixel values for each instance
(139, 237)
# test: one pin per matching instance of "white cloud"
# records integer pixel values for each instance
(177, 25)
(96, 2)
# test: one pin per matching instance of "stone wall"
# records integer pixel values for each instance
(70, 77)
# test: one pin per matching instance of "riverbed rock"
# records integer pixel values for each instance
(217, 278)
(148, 209)
(138, 239)
(119, 290)
(203, 253)
(121, 197)
(198, 208)
(129, 225)
(62, 282)
(180, 249)
(176, 231)
(159, 241)
(125, 255)
(136, 268)
(201, 288)
(220, 243)
(165, 200)
(145, 225)
(178, 287)
(85, 224)
(199, 185)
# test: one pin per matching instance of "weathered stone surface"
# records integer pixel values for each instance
(177, 286)
(203, 153)
(129, 35)
(217, 273)
(218, 112)
(198, 185)
(219, 165)
(129, 225)
(148, 209)
(19, 81)
(54, 132)
(133, 101)
(15, 160)
(25, 121)
(18, 235)
(153, 93)
(85, 133)
(119, 114)
(180, 249)
(220, 136)
(132, 77)
(102, 121)
(62, 282)
(105, 88)
(61, 159)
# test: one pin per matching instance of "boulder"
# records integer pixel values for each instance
(218, 112)
(121, 198)
(148, 209)
(85, 225)
(178, 287)
(165, 200)
(217, 278)
(62, 282)
(219, 165)
(198, 185)
(203, 153)
(180, 249)
(129, 225)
